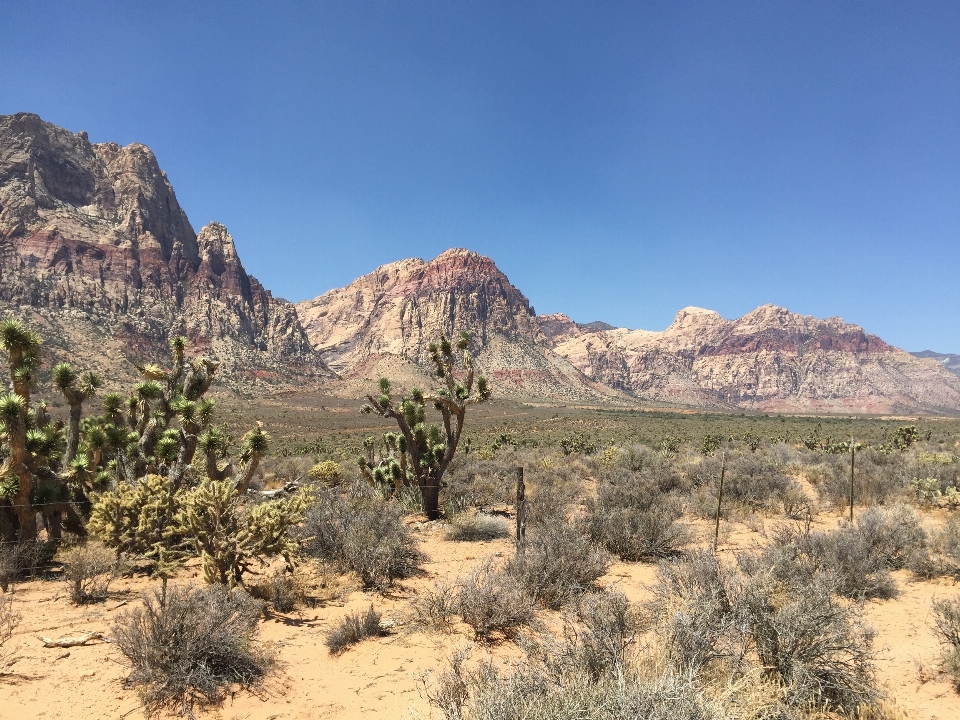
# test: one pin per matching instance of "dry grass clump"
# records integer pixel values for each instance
(632, 518)
(23, 558)
(187, 647)
(362, 533)
(597, 671)
(434, 609)
(491, 602)
(89, 569)
(732, 622)
(284, 590)
(9, 619)
(479, 527)
(558, 565)
(354, 628)
(946, 626)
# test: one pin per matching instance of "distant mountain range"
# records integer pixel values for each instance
(97, 254)
(949, 361)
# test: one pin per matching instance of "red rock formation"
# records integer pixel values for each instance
(95, 232)
(770, 359)
(399, 308)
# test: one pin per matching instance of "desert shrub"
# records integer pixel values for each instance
(806, 642)
(755, 481)
(558, 565)
(532, 691)
(632, 519)
(692, 608)
(481, 526)
(877, 479)
(598, 638)
(9, 619)
(189, 646)
(858, 557)
(89, 569)
(434, 609)
(946, 626)
(856, 568)
(491, 602)
(893, 533)
(362, 533)
(23, 558)
(941, 556)
(352, 629)
(326, 473)
(815, 646)
(284, 590)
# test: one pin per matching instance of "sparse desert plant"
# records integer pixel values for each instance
(283, 589)
(491, 602)
(362, 533)
(434, 609)
(558, 565)
(946, 626)
(468, 528)
(23, 558)
(9, 619)
(189, 646)
(352, 629)
(89, 569)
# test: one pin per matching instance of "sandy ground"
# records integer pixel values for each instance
(379, 678)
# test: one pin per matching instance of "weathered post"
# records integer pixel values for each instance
(716, 530)
(853, 452)
(521, 511)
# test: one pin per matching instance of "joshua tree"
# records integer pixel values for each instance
(425, 452)
(30, 481)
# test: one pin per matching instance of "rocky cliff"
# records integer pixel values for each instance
(93, 234)
(770, 359)
(399, 308)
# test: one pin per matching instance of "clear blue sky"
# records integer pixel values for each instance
(617, 160)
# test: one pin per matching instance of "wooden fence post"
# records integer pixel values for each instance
(853, 452)
(521, 511)
(716, 530)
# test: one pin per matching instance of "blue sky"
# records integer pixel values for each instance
(618, 161)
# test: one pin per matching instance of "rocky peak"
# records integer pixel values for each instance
(98, 228)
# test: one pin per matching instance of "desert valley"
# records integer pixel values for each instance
(218, 503)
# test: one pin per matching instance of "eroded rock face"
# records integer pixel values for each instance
(95, 232)
(770, 359)
(399, 308)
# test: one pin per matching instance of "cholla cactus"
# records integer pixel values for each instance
(230, 538)
(426, 451)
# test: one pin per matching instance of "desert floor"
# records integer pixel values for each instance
(379, 678)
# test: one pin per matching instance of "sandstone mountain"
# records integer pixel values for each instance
(399, 308)
(96, 251)
(770, 359)
(950, 361)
